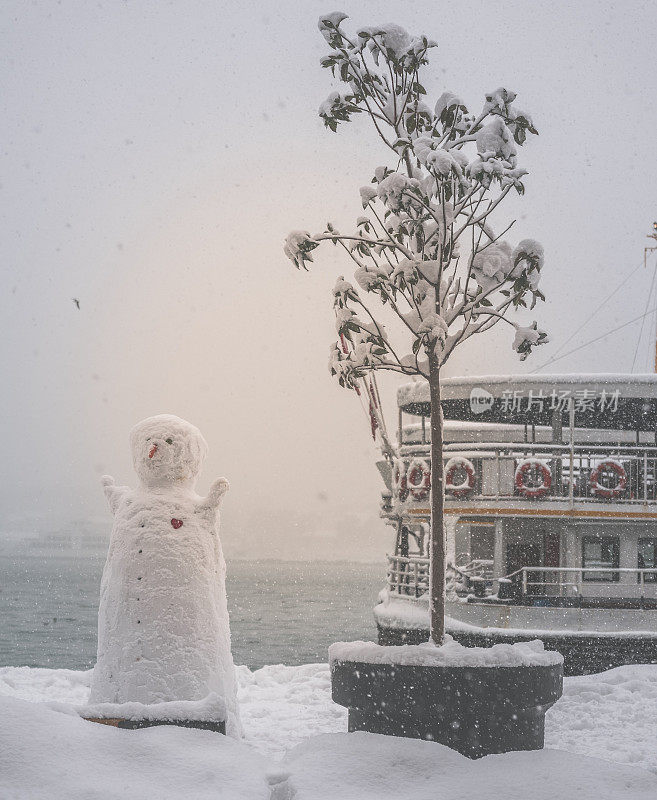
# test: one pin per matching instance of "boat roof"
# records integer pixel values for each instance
(477, 432)
(601, 400)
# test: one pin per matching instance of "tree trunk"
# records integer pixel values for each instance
(437, 541)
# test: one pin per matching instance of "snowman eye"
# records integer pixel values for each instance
(169, 441)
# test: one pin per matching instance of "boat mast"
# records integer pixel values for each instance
(647, 250)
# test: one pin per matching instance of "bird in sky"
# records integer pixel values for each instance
(77, 302)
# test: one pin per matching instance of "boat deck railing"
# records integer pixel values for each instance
(551, 472)
(477, 568)
(569, 581)
(409, 577)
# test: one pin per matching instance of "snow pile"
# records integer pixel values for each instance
(163, 631)
(366, 766)
(612, 716)
(41, 685)
(281, 706)
(450, 654)
(45, 755)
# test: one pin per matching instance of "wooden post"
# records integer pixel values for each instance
(437, 541)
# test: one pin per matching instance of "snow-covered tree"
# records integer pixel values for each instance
(425, 246)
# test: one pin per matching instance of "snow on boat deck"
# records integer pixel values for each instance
(610, 717)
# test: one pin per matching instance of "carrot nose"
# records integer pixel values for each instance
(153, 450)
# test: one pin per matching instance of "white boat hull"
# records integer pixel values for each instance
(590, 639)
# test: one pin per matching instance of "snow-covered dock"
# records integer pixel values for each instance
(601, 742)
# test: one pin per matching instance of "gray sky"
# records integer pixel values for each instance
(154, 157)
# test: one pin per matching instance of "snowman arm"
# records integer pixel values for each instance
(215, 495)
(113, 493)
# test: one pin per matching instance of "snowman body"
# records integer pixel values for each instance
(163, 628)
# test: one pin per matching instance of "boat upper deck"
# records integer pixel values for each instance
(567, 441)
(604, 401)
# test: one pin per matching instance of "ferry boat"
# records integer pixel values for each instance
(551, 526)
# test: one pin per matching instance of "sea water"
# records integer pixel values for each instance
(280, 611)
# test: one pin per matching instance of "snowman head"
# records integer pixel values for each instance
(167, 451)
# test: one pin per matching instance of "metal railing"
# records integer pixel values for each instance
(558, 577)
(478, 568)
(408, 577)
(571, 470)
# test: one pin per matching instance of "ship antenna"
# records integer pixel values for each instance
(646, 250)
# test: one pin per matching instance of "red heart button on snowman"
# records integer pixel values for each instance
(177, 523)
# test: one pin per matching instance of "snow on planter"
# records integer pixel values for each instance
(163, 630)
(449, 654)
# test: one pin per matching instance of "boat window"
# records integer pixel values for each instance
(482, 542)
(647, 559)
(602, 554)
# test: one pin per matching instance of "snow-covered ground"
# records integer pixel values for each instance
(295, 748)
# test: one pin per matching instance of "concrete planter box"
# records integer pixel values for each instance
(477, 710)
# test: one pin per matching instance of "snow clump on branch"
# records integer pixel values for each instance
(491, 267)
(528, 256)
(298, 245)
(527, 338)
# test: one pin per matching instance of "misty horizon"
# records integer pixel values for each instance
(155, 160)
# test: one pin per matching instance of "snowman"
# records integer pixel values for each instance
(163, 631)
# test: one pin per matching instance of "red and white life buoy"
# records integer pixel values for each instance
(452, 468)
(399, 480)
(533, 467)
(418, 479)
(608, 465)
